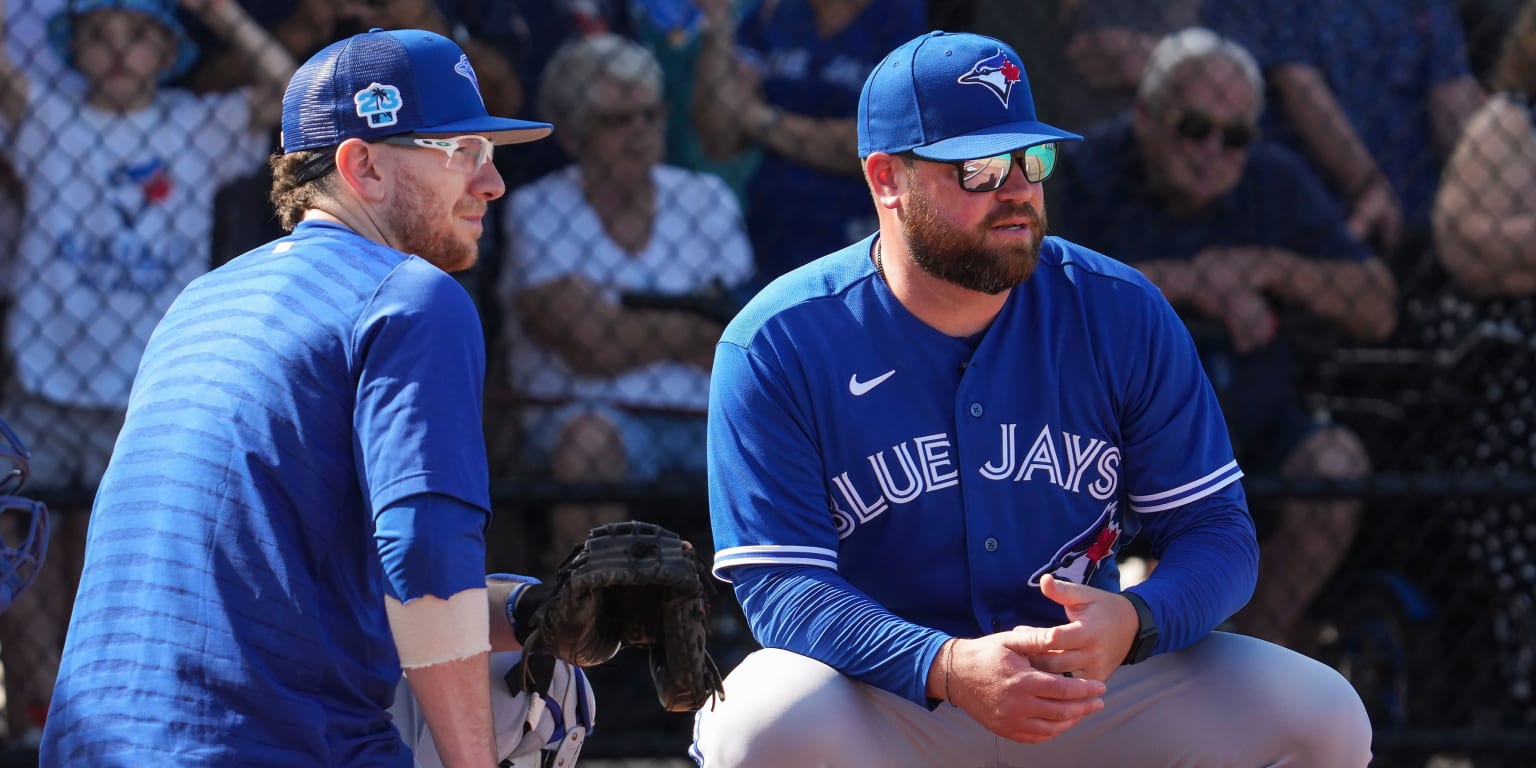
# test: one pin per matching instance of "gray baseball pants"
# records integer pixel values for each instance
(1229, 701)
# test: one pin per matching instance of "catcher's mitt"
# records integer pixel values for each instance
(630, 583)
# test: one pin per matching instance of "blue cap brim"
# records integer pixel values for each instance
(500, 130)
(996, 140)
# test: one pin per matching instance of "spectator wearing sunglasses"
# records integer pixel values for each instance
(613, 392)
(1374, 93)
(1238, 232)
(926, 450)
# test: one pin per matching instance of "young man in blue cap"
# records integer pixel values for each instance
(295, 510)
(120, 179)
(925, 451)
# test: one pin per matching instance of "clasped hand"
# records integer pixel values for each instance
(1014, 683)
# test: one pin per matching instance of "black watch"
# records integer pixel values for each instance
(1146, 632)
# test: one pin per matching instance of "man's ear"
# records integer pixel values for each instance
(887, 177)
(358, 163)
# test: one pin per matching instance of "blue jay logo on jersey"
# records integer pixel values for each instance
(378, 104)
(997, 73)
(1080, 560)
(468, 73)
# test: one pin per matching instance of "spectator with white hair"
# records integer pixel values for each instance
(613, 393)
(1237, 231)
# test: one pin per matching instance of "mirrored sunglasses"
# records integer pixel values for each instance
(465, 153)
(1197, 126)
(986, 174)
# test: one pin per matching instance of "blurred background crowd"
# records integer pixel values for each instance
(1339, 196)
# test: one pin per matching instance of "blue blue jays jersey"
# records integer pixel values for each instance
(231, 607)
(943, 477)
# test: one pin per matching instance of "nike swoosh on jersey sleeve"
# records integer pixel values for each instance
(1192, 491)
(772, 554)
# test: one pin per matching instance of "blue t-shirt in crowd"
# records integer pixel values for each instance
(795, 213)
(1382, 61)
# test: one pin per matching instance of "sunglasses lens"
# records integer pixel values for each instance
(1237, 136)
(1197, 126)
(1194, 126)
(985, 174)
(1039, 161)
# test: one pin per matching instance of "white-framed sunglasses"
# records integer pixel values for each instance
(467, 153)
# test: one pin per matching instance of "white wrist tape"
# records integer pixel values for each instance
(430, 630)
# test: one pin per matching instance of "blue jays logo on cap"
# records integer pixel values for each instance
(378, 104)
(378, 84)
(936, 96)
(468, 72)
(997, 73)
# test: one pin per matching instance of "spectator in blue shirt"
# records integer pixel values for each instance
(1232, 230)
(787, 80)
(1375, 93)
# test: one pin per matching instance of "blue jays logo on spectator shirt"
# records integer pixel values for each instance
(136, 186)
(468, 72)
(142, 252)
(1082, 557)
(378, 104)
(997, 73)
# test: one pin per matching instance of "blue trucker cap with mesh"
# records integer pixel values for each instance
(377, 84)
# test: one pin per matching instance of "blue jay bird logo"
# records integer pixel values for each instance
(378, 104)
(1081, 559)
(133, 187)
(468, 73)
(997, 73)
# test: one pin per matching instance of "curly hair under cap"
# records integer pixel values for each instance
(300, 180)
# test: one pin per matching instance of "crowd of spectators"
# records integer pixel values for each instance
(1285, 172)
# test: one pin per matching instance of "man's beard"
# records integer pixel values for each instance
(965, 259)
(419, 227)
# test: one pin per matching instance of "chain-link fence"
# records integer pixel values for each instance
(1337, 195)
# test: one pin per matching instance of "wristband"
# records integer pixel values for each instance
(520, 588)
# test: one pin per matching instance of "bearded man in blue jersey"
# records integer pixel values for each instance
(925, 451)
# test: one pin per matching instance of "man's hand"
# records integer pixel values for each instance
(1098, 633)
(1232, 285)
(1376, 216)
(992, 679)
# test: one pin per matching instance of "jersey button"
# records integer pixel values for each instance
(990, 544)
(976, 410)
(997, 626)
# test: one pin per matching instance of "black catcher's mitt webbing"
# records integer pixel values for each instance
(629, 584)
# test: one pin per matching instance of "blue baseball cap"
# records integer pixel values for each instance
(61, 29)
(377, 84)
(951, 96)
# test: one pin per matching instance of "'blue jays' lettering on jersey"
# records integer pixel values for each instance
(919, 466)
